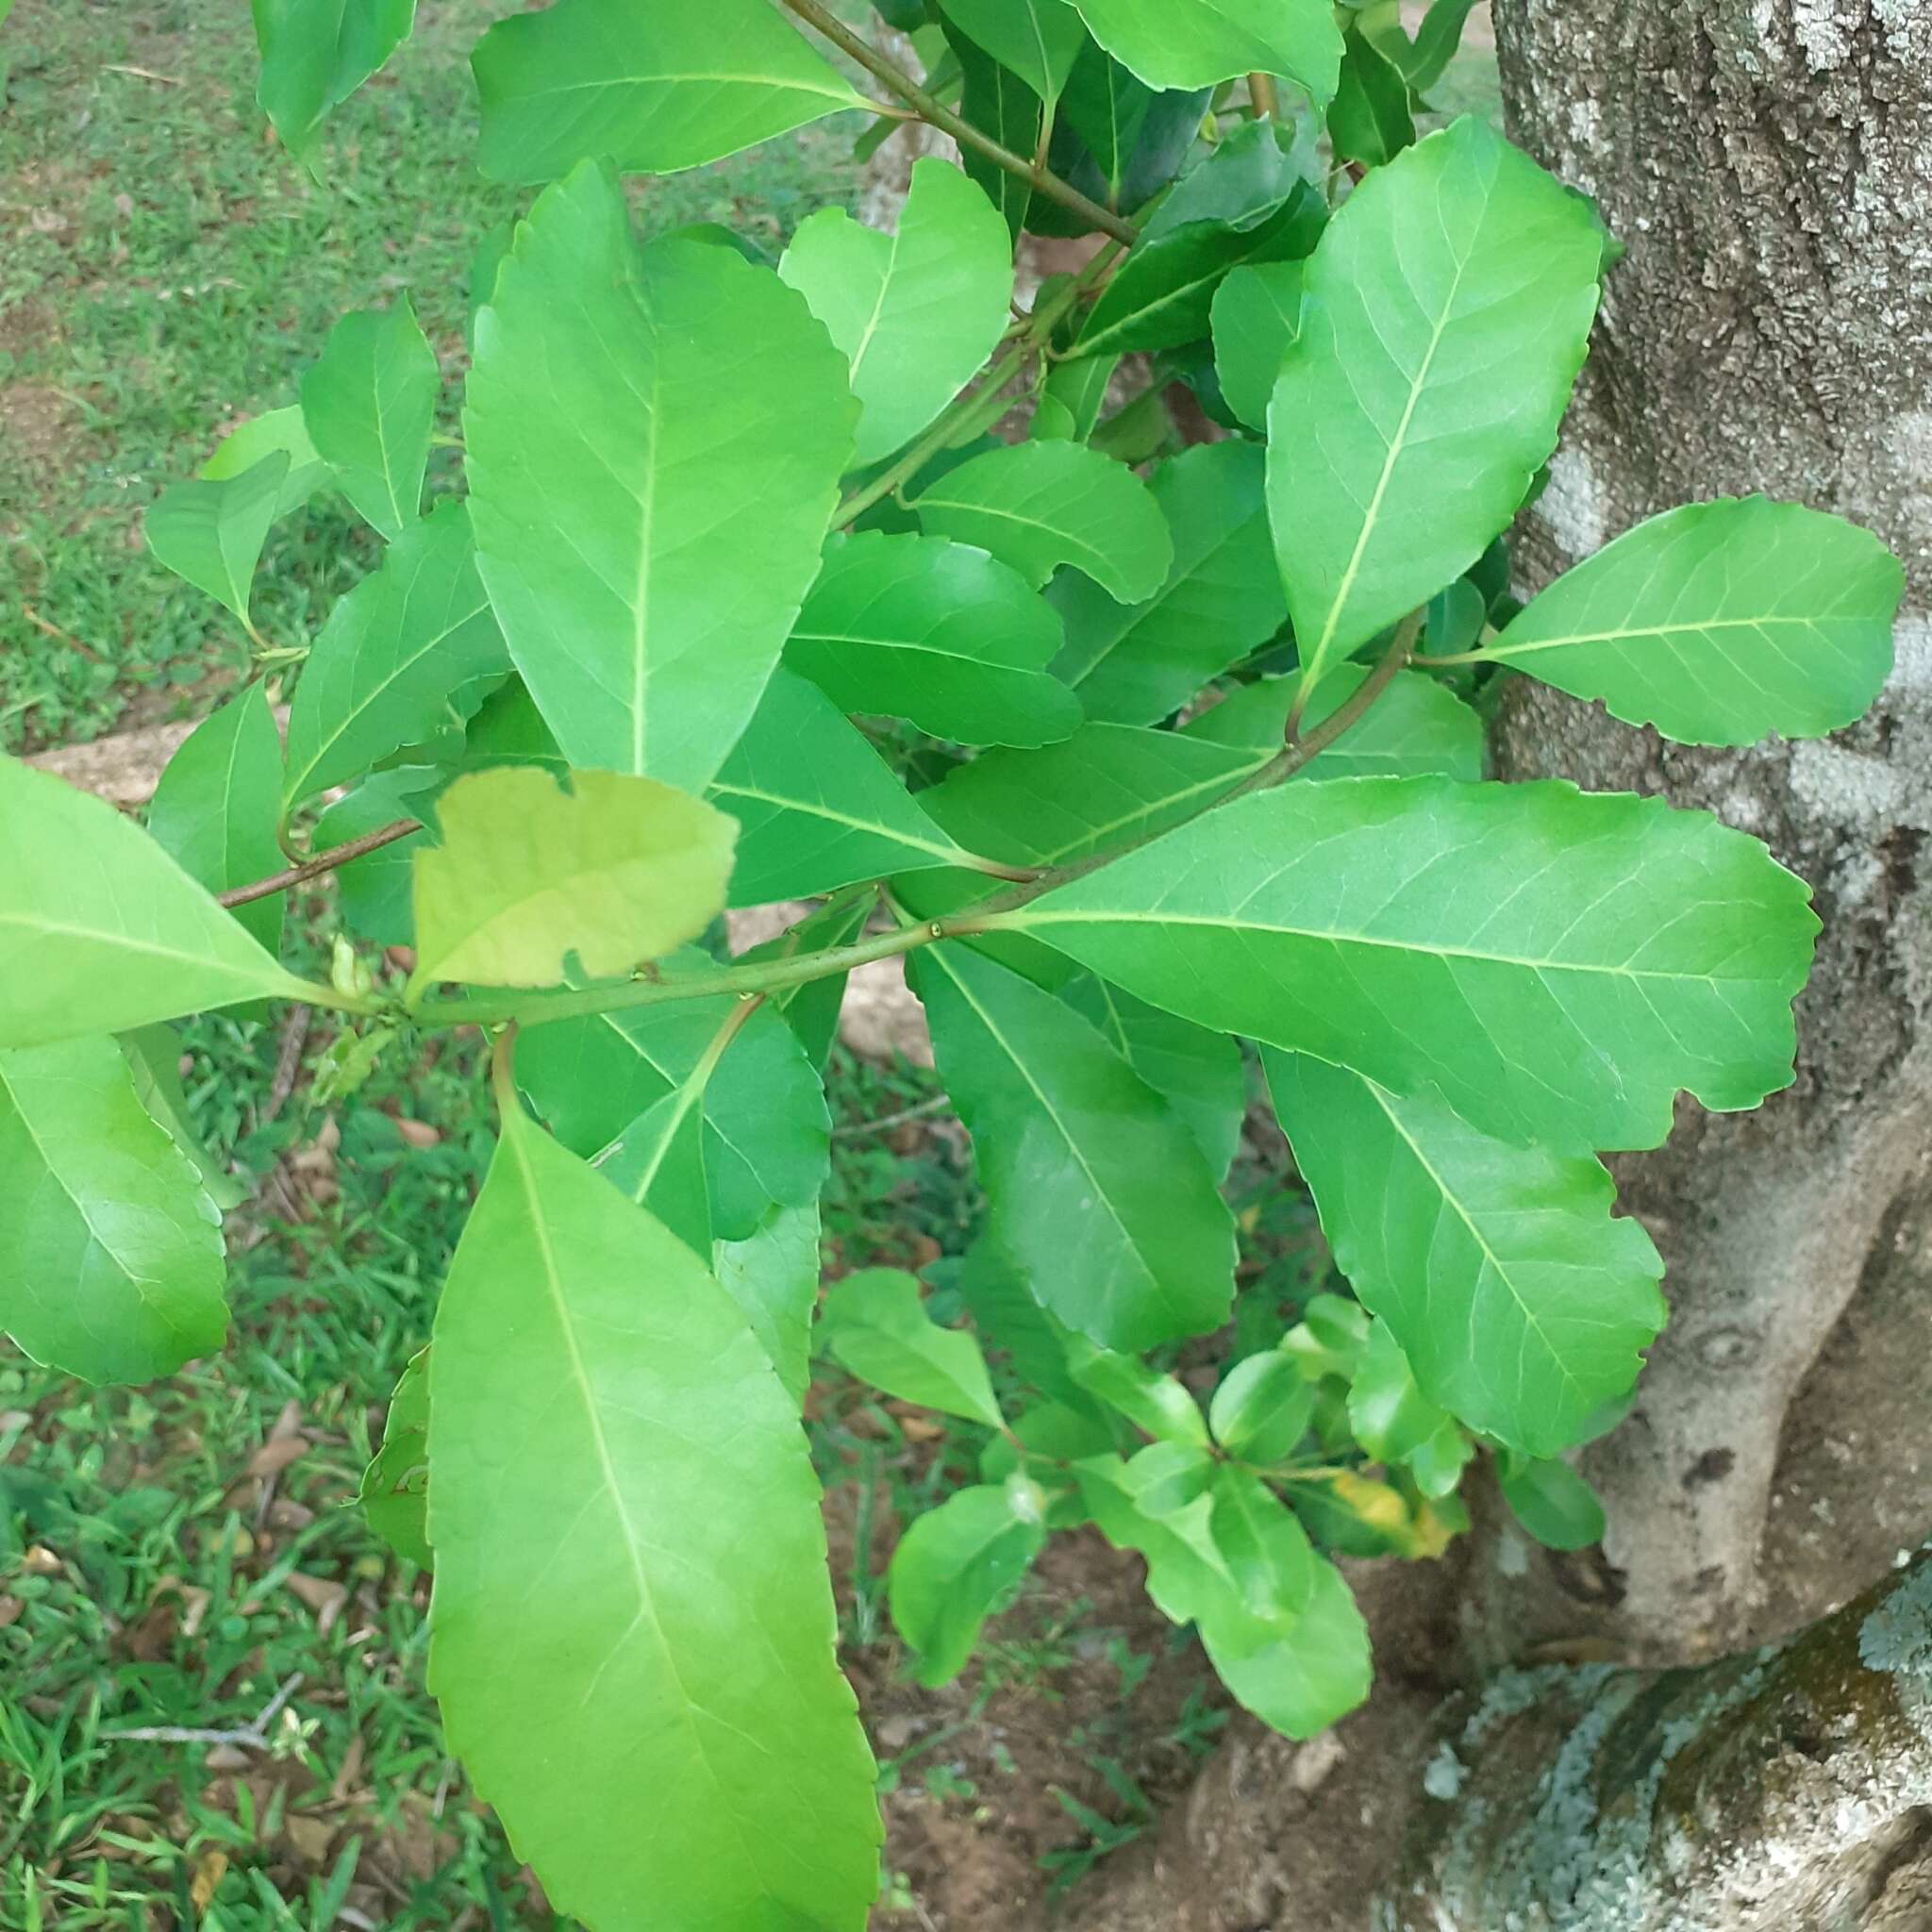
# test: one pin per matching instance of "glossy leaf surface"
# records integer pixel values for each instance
(1188, 43)
(1256, 317)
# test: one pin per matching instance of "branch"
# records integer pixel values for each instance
(322, 862)
(253, 1734)
(939, 115)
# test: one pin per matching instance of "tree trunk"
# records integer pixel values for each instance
(1768, 166)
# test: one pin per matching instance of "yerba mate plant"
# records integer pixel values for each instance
(1137, 752)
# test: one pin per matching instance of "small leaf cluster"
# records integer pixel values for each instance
(1158, 763)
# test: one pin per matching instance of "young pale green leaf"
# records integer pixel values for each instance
(1094, 1186)
(274, 432)
(1317, 1674)
(212, 533)
(625, 1522)
(394, 1491)
(1038, 40)
(1444, 318)
(1158, 1406)
(369, 405)
(772, 1274)
(1036, 506)
(875, 1326)
(1581, 956)
(1555, 1504)
(817, 808)
(1369, 119)
(757, 1101)
(617, 869)
(113, 1251)
(1136, 664)
(1245, 204)
(316, 52)
(100, 930)
(937, 633)
(1256, 317)
(1720, 623)
(412, 648)
(655, 441)
(215, 806)
(1262, 1408)
(1189, 44)
(656, 87)
(958, 1563)
(1390, 1414)
(1500, 1272)
(916, 313)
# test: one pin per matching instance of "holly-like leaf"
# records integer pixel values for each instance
(617, 869)
(113, 1251)
(216, 802)
(917, 312)
(875, 1326)
(625, 1520)
(817, 808)
(1719, 623)
(1188, 43)
(369, 405)
(1036, 506)
(937, 633)
(1521, 1302)
(1134, 664)
(411, 649)
(1038, 40)
(211, 532)
(1256, 316)
(316, 52)
(656, 87)
(1560, 963)
(1444, 318)
(276, 432)
(394, 1491)
(1094, 1186)
(958, 1563)
(100, 930)
(655, 441)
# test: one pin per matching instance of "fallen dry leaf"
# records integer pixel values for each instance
(210, 1867)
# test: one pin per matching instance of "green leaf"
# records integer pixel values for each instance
(958, 1563)
(114, 1260)
(996, 101)
(1436, 1464)
(617, 869)
(875, 1326)
(659, 1161)
(1094, 1186)
(1416, 728)
(1444, 318)
(1036, 506)
(1245, 203)
(375, 895)
(655, 441)
(1719, 623)
(1426, 60)
(153, 1062)
(937, 633)
(1136, 664)
(1133, 138)
(212, 533)
(625, 1522)
(758, 1104)
(1158, 1406)
(1262, 1408)
(816, 805)
(369, 405)
(1555, 1504)
(1009, 1316)
(1368, 120)
(1391, 1416)
(410, 650)
(215, 806)
(1257, 315)
(1500, 1272)
(811, 1009)
(916, 313)
(656, 87)
(274, 432)
(772, 1274)
(316, 52)
(1580, 958)
(100, 930)
(1038, 40)
(1316, 1675)
(394, 1491)
(1188, 43)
